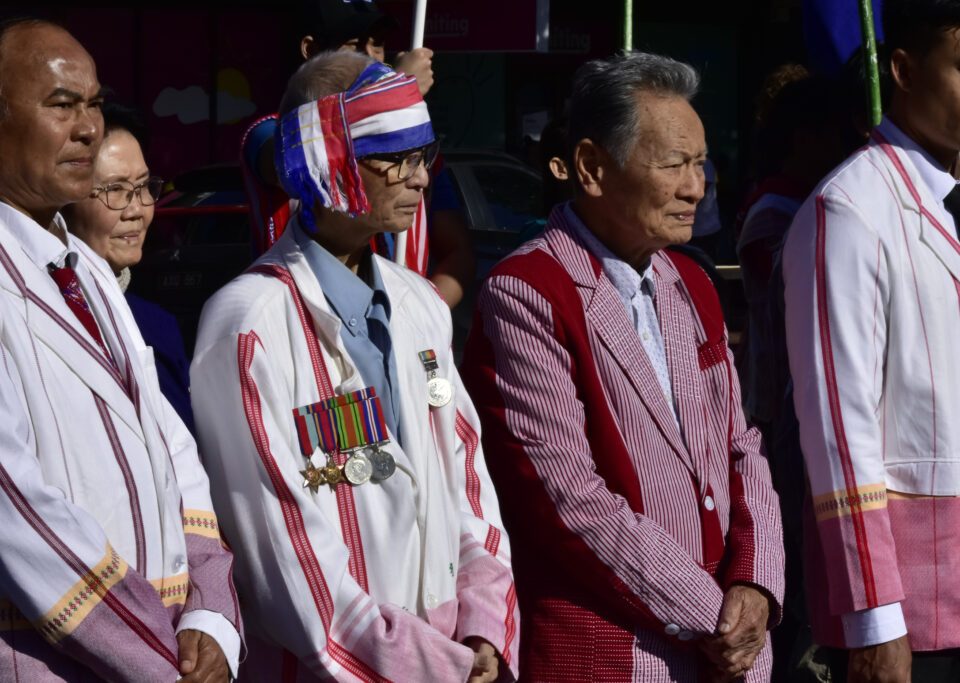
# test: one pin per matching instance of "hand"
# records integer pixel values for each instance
(201, 659)
(486, 663)
(742, 632)
(419, 63)
(888, 662)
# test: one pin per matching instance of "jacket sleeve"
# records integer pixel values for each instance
(629, 562)
(486, 593)
(292, 564)
(836, 299)
(85, 600)
(211, 604)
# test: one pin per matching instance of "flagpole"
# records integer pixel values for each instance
(419, 21)
(628, 26)
(870, 61)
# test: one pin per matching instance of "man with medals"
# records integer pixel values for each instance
(343, 452)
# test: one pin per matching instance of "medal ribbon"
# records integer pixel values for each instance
(341, 423)
(429, 359)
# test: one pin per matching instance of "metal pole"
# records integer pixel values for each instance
(628, 26)
(419, 20)
(871, 69)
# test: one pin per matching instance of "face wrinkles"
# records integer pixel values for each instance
(650, 202)
(116, 235)
(53, 127)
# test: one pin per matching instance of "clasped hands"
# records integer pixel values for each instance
(741, 634)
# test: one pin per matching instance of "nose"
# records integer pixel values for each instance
(420, 178)
(693, 185)
(89, 125)
(135, 208)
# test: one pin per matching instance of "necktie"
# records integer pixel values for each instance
(952, 204)
(66, 279)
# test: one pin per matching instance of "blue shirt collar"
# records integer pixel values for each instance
(350, 297)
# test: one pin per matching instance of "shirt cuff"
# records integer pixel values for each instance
(873, 626)
(217, 627)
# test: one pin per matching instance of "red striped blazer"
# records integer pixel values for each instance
(626, 531)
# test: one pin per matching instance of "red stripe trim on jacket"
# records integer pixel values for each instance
(833, 396)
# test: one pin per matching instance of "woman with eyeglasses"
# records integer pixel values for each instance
(113, 221)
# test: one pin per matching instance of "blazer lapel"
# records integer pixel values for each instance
(915, 197)
(57, 327)
(607, 317)
(680, 343)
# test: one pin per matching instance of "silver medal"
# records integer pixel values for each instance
(383, 465)
(357, 469)
(439, 392)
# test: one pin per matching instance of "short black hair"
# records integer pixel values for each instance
(915, 26)
(118, 116)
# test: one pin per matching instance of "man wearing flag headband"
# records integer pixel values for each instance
(343, 452)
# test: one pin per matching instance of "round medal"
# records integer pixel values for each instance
(439, 392)
(383, 465)
(333, 474)
(357, 469)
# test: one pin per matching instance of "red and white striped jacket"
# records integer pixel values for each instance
(625, 531)
(380, 582)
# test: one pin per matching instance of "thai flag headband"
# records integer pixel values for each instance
(318, 143)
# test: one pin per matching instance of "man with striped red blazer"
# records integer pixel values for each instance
(646, 533)
(872, 289)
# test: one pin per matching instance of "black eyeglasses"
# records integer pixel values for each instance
(410, 159)
(118, 195)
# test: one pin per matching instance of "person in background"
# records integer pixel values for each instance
(870, 267)
(372, 549)
(359, 26)
(646, 532)
(112, 563)
(113, 221)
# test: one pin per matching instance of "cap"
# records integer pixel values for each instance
(334, 22)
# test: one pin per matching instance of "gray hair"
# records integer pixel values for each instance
(326, 73)
(603, 106)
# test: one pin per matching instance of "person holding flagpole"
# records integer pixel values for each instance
(344, 453)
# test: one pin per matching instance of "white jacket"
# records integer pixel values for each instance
(105, 515)
(872, 292)
(376, 580)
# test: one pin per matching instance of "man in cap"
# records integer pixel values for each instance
(111, 559)
(344, 451)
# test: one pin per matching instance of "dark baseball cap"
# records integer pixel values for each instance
(334, 22)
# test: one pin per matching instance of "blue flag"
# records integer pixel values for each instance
(831, 31)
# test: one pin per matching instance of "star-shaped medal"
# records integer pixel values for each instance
(313, 478)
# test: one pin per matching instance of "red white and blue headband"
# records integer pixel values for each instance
(318, 143)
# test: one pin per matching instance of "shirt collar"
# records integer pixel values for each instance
(348, 294)
(621, 274)
(39, 244)
(936, 177)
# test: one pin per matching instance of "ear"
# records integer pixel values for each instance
(901, 69)
(558, 168)
(588, 167)
(308, 47)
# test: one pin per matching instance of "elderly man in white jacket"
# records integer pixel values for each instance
(343, 450)
(111, 565)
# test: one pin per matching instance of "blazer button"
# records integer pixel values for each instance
(671, 629)
(686, 635)
(709, 504)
